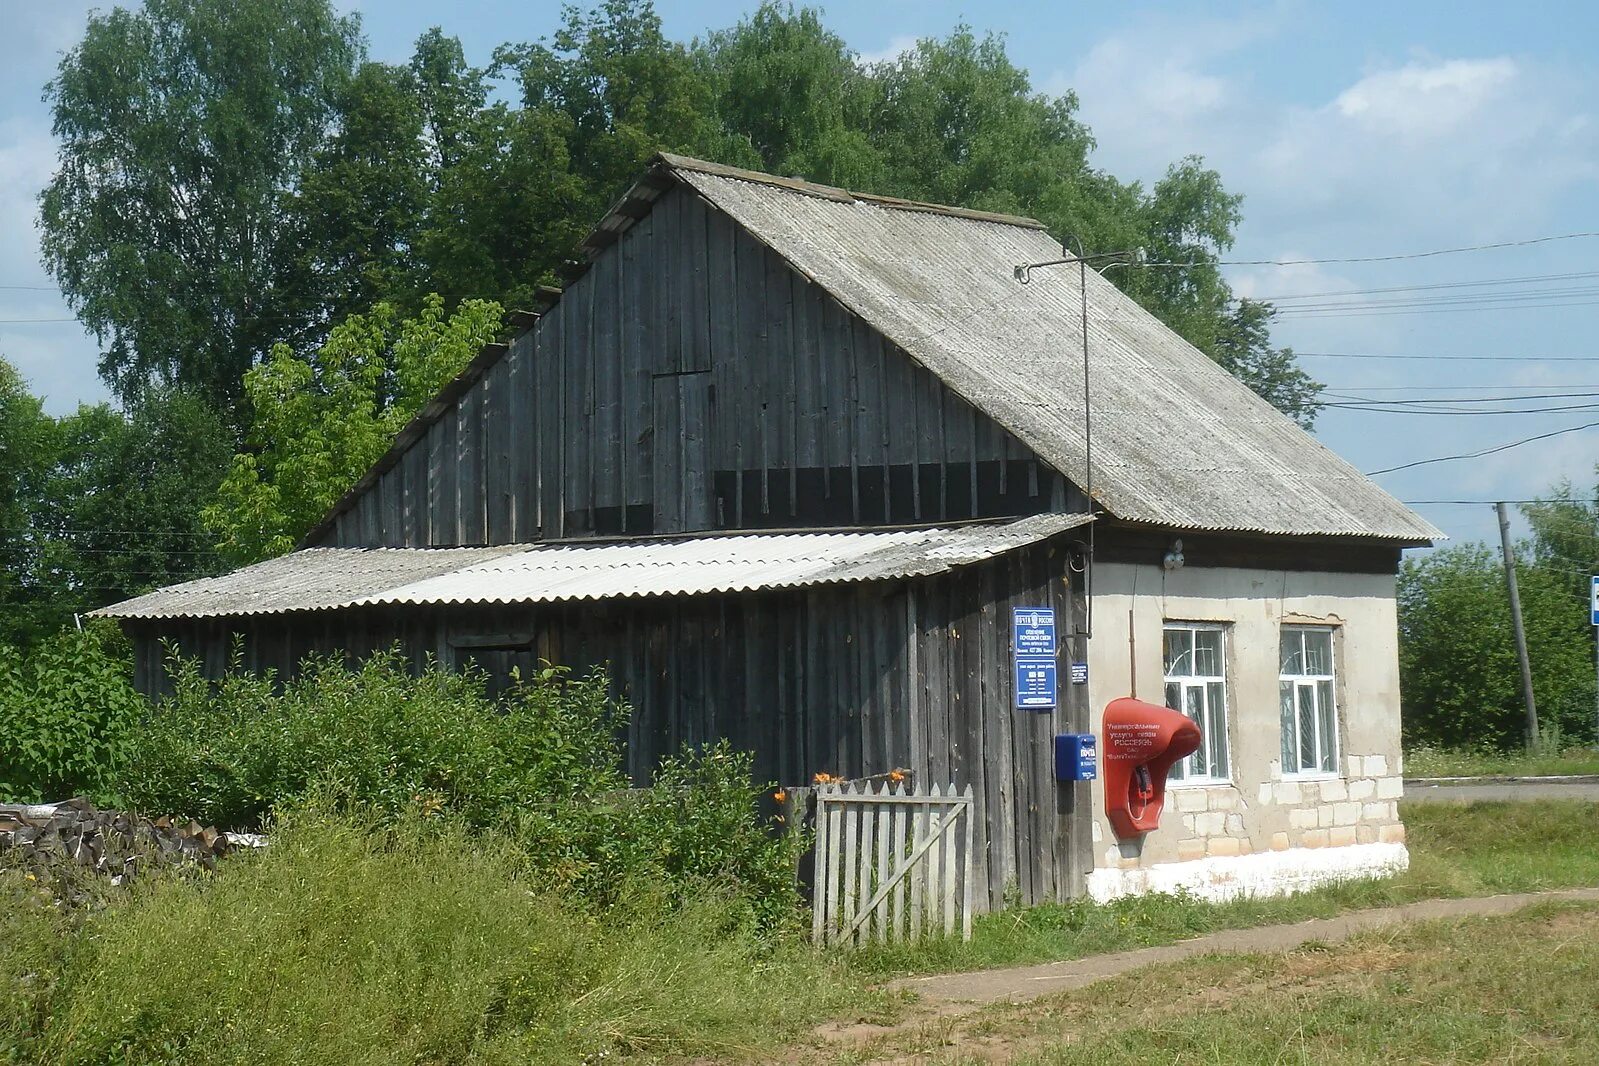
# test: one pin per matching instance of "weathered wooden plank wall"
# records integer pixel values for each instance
(692, 380)
(850, 680)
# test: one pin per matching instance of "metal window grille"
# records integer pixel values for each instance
(1196, 684)
(1309, 711)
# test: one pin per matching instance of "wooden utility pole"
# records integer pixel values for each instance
(1515, 622)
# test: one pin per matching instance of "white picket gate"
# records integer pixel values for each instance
(891, 864)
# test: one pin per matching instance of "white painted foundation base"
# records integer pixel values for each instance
(1267, 873)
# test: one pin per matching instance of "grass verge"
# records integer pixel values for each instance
(1466, 762)
(1518, 988)
(1455, 851)
(348, 943)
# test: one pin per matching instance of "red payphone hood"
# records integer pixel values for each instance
(1142, 741)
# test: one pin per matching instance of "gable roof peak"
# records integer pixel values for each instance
(831, 192)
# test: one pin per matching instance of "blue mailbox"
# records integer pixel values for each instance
(1076, 757)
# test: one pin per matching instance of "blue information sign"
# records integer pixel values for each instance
(1035, 630)
(1593, 597)
(1036, 681)
(1033, 651)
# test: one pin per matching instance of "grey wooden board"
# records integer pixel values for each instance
(561, 434)
(819, 681)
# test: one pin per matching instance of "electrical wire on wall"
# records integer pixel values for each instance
(1024, 275)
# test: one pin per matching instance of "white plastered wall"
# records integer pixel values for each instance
(1263, 832)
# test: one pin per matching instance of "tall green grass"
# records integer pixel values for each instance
(1548, 761)
(349, 941)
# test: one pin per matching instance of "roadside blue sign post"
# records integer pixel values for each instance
(1033, 654)
(1593, 598)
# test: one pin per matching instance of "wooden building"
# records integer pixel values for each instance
(785, 458)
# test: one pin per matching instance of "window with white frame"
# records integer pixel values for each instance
(1196, 684)
(1309, 709)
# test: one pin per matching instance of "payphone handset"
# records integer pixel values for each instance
(1142, 741)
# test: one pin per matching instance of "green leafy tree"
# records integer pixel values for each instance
(234, 176)
(1458, 669)
(100, 505)
(960, 124)
(1244, 347)
(27, 448)
(955, 121)
(507, 211)
(621, 91)
(119, 510)
(183, 127)
(357, 208)
(793, 91)
(320, 422)
(1565, 534)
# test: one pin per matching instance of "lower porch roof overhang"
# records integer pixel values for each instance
(322, 579)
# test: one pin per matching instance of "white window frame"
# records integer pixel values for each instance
(1214, 721)
(1320, 691)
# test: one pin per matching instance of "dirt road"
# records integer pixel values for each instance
(1022, 983)
(1468, 790)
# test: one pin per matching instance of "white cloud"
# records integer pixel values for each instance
(1409, 152)
(1155, 92)
(1166, 88)
(896, 47)
(1440, 149)
(1427, 98)
(27, 159)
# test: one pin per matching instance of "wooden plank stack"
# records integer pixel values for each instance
(50, 839)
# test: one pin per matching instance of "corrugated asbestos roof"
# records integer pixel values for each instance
(327, 578)
(306, 580)
(1177, 441)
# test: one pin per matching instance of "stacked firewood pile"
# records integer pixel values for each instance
(48, 839)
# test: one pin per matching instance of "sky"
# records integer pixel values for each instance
(1353, 131)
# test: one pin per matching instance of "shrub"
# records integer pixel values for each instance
(377, 736)
(694, 830)
(354, 940)
(542, 763)
(67, 710)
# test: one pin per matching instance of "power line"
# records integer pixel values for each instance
(1447, 405)
(1453, 358)
(1587, 385)
(1555, 569)
(1387, 258)
(1526, 279)
(1454, 412)
(1443, 299)
(73, 531)
(1485, 451)
(1566, 394)
(1390, 312)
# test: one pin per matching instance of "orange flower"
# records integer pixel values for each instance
(780, 796)
(896, 777)
(822, 778)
